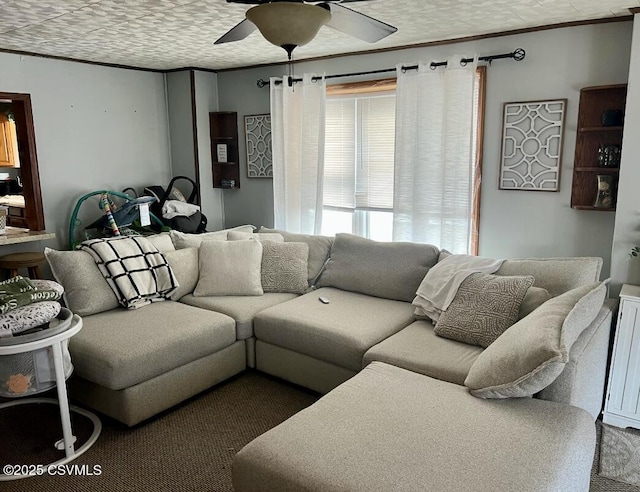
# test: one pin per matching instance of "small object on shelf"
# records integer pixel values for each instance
(612, 117)
(609, 155)
(221, 152)
(604, 198)
(228, 183)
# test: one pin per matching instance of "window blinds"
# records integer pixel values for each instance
(359, 152)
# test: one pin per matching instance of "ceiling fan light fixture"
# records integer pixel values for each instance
(288, 24)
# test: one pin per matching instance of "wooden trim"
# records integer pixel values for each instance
(427, 44)
(477, 181)
(79, 60)
(194, 126)
(184, 69)
(26, 135)
(635, 10)
(363, 87)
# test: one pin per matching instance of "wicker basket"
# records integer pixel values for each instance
(33, 372)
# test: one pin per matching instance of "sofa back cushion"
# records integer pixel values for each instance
(557, 275)
(319, 248)
(258, 236)
(86, 291)
(388, 270)
(184, 240)
(162, 242)
(531, 354)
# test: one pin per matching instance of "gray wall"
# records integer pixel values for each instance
(513, 223)
(206, 101)
(96, 127)
(180, 125)
(627, 225)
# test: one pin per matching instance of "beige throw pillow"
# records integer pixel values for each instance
(86, 291)
(229, 268)
(284, 267)
(184, 263)
(485, 305)
(531, 354)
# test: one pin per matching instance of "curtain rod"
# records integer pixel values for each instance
(518, 55)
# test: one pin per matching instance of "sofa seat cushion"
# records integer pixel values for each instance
(339, 332)
(418, 349)
(122, 347)
(391, 429)
(241, 308)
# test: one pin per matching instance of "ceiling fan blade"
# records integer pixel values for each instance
(358, 25)
(355, 24)
(238, 32)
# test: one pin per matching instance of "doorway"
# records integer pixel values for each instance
(21, 115)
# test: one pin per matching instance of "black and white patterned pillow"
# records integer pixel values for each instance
(483, 308)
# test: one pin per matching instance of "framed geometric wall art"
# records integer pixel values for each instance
(531, 155)
(258, 134)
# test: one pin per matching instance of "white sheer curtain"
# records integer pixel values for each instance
(297, 132)
(434, 156)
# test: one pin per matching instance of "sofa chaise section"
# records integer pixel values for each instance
(321, 345)
(158, 356)
(391, 429)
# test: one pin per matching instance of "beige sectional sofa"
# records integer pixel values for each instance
(397, 415)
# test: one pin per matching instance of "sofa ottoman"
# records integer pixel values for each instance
(157, 356)
(321, 345)
(391, 429)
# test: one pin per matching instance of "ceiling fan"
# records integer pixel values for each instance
(293, 23)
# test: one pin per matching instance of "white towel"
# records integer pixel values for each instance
(441, 283)
(173, 208)
(135, 270)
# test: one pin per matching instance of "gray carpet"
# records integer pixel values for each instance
(189, 448)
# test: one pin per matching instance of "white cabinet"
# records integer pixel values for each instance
(622, 407)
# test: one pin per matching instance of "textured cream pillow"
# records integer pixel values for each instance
(284, 267)
(531, 354)
(229, 268)
(260, 236)
(484, 307)
(184, 263)
(86, 291)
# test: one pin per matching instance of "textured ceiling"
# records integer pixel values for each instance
(168, 34)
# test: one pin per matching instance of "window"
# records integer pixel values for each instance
(359, 159)
(358, 167)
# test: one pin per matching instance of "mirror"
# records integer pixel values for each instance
(18, 159)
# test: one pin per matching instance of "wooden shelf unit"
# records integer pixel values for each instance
(223, 128)
(594, 101)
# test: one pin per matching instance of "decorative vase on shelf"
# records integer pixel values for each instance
(604, 197)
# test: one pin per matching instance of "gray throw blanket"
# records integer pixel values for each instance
(135, 270)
